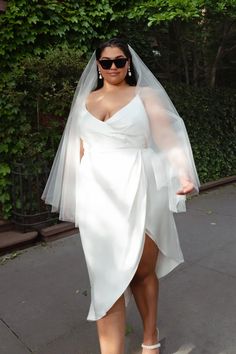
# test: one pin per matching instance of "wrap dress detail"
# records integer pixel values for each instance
(118, 200)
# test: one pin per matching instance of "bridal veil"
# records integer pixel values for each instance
(172, 160)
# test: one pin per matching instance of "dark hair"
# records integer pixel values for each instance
(119, 43)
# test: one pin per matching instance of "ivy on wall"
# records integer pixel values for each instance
(35, 102)
(209, 116)
(32, 27)
(39, 72)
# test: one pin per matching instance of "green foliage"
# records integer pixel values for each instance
(157, 11)
(39, 72)
(35, 101)
(209, 116)
(195, 39)
(32, 27)
(12, 125)
(50, 82)
(34, 105)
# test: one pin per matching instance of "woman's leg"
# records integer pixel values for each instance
(111, 329)
(145, 288)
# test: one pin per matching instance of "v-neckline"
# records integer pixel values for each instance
(113, 115)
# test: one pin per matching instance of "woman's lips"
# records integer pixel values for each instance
(114, 73)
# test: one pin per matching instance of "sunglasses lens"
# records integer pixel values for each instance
(106, 63)
(120, 63)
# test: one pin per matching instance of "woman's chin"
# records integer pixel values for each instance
(114, 79)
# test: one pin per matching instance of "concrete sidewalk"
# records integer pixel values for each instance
(44, 291)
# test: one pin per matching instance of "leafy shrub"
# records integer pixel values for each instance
(35, 101)
(32, 27)
(34, 104)
(209, 116)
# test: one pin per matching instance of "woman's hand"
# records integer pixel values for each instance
(187, 187)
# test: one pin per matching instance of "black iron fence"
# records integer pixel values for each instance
(29, 211)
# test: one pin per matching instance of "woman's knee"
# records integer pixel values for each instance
(119, 305)
(147, 265)
(144, 271)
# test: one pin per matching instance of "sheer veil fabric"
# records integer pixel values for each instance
(172, 159)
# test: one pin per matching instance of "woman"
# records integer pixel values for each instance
(135, 168)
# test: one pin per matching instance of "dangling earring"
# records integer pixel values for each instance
(99, 75)
(129, 72)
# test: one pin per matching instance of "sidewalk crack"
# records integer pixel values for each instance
(15, 334)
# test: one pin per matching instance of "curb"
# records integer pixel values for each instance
(214, 184)
(13, 239)
(61, 230)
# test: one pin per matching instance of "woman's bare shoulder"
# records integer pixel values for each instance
(146, 91)
(93, 96)
(149, 95)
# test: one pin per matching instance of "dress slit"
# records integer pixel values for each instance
(126, 290)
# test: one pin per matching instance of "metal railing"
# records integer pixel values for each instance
(29, 211)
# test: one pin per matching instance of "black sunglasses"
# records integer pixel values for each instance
(107, 63)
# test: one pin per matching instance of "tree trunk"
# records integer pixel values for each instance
(219, 54)
(185, 62)
(215, 66)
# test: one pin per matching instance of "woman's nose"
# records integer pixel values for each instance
(113, 66)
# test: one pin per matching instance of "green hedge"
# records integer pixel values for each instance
(210, 118)
(35, 101)
(32, 27)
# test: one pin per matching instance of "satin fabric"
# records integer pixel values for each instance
(119, 198)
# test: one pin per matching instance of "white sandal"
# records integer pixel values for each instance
(154, 346)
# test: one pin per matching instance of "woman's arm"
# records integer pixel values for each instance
(163, 127)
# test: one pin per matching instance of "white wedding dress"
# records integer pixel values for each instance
(118, 201)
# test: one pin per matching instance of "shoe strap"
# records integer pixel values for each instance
(154, 346)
